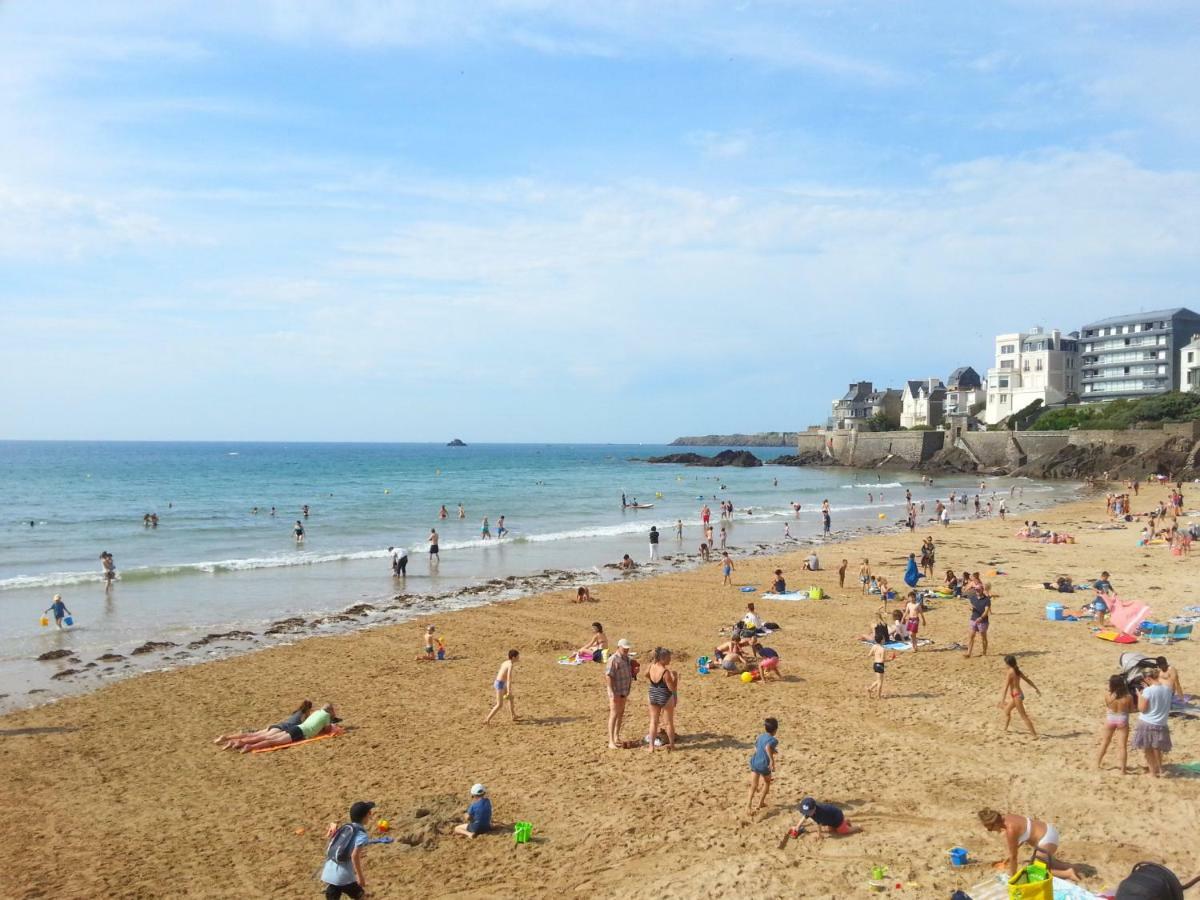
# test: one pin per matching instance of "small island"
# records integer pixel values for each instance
(742, 459)
(456, 443)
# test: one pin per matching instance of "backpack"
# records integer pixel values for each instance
(341, 845)
(1150, 881)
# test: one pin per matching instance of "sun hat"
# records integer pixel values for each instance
(478, 790)
(624, 644)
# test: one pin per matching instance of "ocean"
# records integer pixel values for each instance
(213, 566)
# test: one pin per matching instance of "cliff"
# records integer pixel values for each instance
(762, 439)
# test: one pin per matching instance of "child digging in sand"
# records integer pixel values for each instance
(762, 763)
(828, 818)
(430, 642)
(503, 686)
(1013, 697)
(1119, 704)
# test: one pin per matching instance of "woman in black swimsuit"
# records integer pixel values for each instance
(662, 695)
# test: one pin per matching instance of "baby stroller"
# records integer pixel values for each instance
(1134, 666)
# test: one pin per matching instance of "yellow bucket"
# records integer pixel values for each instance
(1032, 882)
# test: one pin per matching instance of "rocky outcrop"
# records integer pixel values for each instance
(807, 458)
(741, 459)
(456, 443)
(1175, 457)
(762, 439)
(949, 461)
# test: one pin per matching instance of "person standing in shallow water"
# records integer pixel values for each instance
(434, 557)
(653, 543)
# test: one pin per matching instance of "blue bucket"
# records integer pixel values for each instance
(958, 856)
(1054, 612)
(68, 621)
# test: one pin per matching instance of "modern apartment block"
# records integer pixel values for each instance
(1136, 355)
(1189, 365)
(1031, 365)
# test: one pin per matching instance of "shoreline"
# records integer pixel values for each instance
(169, 814)
(70, 674)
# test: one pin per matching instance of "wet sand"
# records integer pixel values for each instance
(119, 793)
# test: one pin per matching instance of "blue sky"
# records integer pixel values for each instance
(535, 221)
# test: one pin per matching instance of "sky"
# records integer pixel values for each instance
(523, 220)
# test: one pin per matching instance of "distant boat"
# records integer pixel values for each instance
(456, 443)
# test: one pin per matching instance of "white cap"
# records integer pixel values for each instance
(624, 644)
(57, 597)
(478, 790)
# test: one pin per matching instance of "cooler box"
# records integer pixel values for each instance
(1054, 612)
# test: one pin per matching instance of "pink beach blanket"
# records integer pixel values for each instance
(1127, 615)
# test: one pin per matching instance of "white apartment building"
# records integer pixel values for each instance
(1033, 365)
(1189, 366)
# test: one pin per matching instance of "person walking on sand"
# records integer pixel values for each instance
(981, 610)
(343, 871)
(726, 568)
(878, 653)
(762, 763)
(1118, 704)
(1153, 736)
(724, 535)
(864, 574)
(434, 557)
(504, 687)
(618, 673)
(662, 693)
(653, 543)
(1013, 697)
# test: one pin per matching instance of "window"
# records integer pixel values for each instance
(1004, 398)
(1037, 364)
(1070, 383)
(1006, 363)
(1070, 362)
(1190, 355)
(1003, 382)
(1007, 348)
(1025, 365)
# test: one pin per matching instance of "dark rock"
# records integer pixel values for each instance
(55, 654)
(807, 458)
(456, 443)
(224, 636)
(742, 459)
(284, 626)
(152, 646)
(66, 673)
(110, 657)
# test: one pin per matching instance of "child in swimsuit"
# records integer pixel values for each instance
(1119, 704)
(503, 686)
(1013, 697)
(726, 568)
(878, 652)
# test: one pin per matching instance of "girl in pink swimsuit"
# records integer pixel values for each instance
(1119, 704)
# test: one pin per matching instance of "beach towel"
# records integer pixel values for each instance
(333, 731)
(900, 645)
(787, 595)
(1127, 615)
(911, 574)
(996, 888)
(573, 660)
(747, 589)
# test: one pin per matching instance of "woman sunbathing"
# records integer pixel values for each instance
(597, 645)
(294, 719)
(317, 723)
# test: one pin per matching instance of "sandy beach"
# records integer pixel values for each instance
(120, 793)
